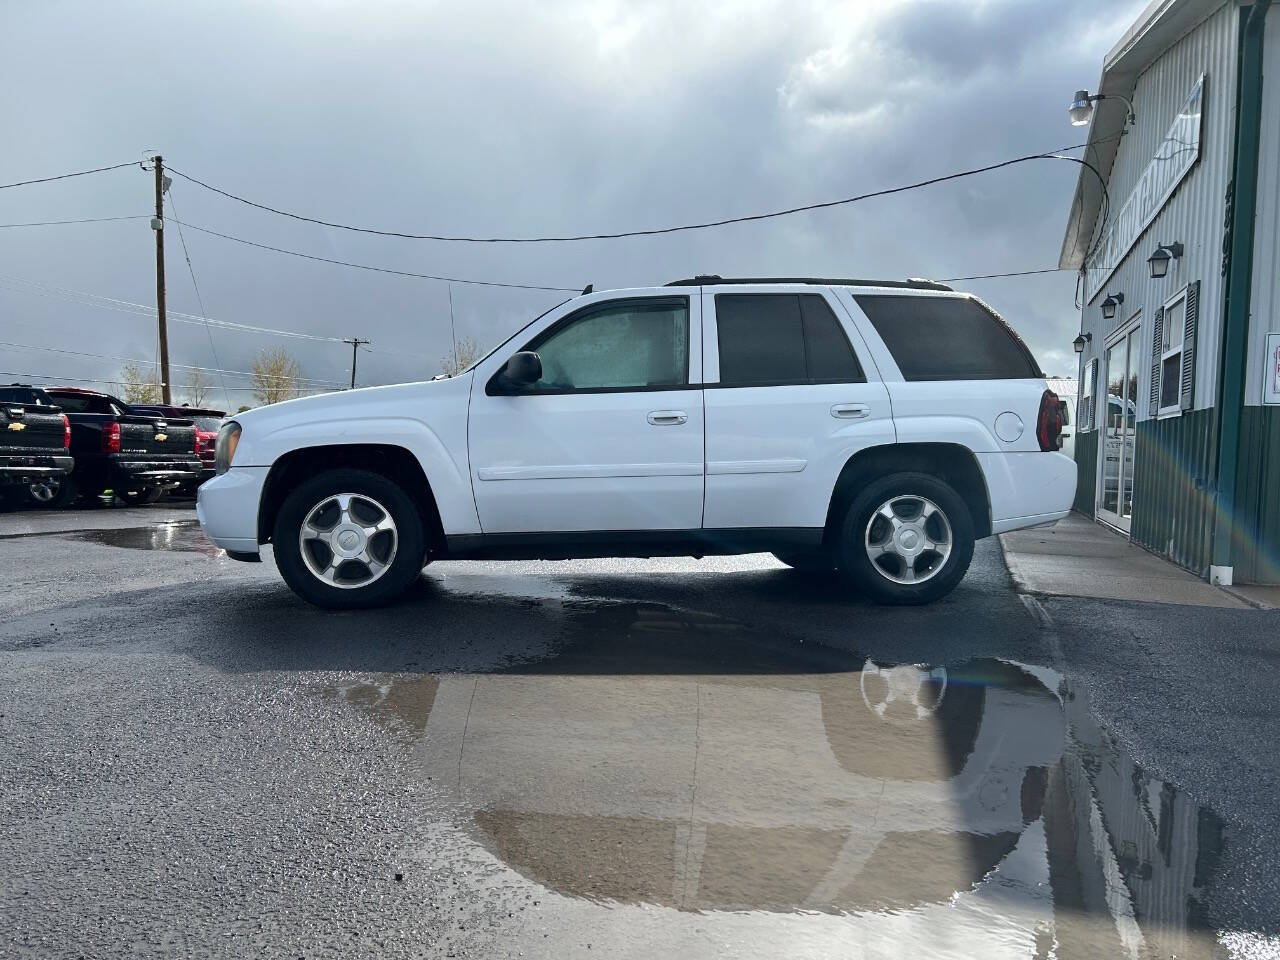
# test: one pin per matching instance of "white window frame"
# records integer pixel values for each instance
(1170, 349)
(1084, 405)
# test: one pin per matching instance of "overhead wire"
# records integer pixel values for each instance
(56, 223)
(66, 176)
(59, 378)
(1056, 153)
(199, 299)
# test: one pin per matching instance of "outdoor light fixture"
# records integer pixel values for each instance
(1109, 305)
(1081, 108)
(1159, 261)
(1081, 340)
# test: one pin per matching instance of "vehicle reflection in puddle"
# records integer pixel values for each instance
(679, 760)
(182, 536)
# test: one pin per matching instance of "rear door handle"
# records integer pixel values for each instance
(851, 411)
(667, 418)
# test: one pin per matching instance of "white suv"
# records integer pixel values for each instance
(873, 428)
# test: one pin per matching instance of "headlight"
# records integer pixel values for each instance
(225, 451)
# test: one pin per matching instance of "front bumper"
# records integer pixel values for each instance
(227, 508)
(18, 469)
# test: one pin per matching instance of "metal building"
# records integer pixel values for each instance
(1173, 228)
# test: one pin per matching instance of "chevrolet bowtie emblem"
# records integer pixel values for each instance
(17, 426)
(162, 436)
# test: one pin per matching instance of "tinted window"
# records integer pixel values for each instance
(25, 395)
(772, 338)
(947, 338)
(619, 345)
(761, 339)
(826, 347)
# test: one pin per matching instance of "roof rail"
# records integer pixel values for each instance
(911, 284)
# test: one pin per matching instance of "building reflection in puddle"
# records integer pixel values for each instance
(675, 759)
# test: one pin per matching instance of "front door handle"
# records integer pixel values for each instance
(667, 418)
(851, 411)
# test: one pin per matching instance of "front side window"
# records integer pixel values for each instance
(619, 345)
(782, 338)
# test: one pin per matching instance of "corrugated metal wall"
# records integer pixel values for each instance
(1172, 505)
(1086, 471)
(1265, 296)
(1256, 545)
(1194, 215)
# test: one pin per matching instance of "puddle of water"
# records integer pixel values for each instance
(182, 536)
(683, 761)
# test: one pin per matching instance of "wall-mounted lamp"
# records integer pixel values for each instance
(1081, 108)
(1081, 340)
(1159, 261)
(1110, 304)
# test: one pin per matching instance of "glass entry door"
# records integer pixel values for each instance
(1115, 452)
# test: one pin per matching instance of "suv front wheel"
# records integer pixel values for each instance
(906, 538)
(347, 539)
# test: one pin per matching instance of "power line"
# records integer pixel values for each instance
(184, 366)
(65, 176)
(1016, 273)
(142, 309)
(56, 223)
(122, 383)
(363, 266)
(1055, 154)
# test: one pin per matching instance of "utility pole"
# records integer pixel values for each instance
(157, 224)
(356, 343)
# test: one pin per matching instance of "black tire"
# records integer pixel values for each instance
(875, 578)
(405, 564)
(813, 561)
(148, 494)
(64, 493)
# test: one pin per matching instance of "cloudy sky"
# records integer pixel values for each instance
(511, 119)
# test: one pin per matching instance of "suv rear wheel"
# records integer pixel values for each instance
(348, 538)
(906, 538)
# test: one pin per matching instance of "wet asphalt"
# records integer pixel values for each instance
(619, 759)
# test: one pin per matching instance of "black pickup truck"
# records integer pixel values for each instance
(136, 455)
(34, 435)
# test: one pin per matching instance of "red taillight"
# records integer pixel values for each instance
(66, 432)
(1049, 422)
(111, 438)
(196, 446)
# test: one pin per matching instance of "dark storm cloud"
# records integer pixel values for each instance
(513, 119)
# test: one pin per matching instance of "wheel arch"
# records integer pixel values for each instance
(396, 463)
(953, 463)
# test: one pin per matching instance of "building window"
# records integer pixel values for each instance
(1175, 317)
(1084, 415)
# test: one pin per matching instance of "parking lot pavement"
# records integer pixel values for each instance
(617, 758)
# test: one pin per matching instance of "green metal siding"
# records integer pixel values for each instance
(1255, 547)
(1086, 471)
(1172, 501)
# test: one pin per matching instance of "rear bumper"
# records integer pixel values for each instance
(227, 508)
(1028, 489)
(30, 468)
(133, 472)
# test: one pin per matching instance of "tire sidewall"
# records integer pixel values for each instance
(858, 567)
(410, 546)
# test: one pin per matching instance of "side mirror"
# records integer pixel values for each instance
(523, 370)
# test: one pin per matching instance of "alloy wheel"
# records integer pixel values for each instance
(348, 540)
(908, 539)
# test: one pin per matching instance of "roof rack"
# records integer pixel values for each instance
(911, 284)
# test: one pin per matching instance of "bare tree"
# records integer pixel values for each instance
(275, 376)
(467, 353)
(139, 387)
(199, 388)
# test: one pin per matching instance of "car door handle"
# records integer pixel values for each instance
(851, 411)
(667, 418)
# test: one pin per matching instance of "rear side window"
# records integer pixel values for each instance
(780, 338)
(948, 338)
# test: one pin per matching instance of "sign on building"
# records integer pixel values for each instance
(1174, 158)
(1271, 375)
